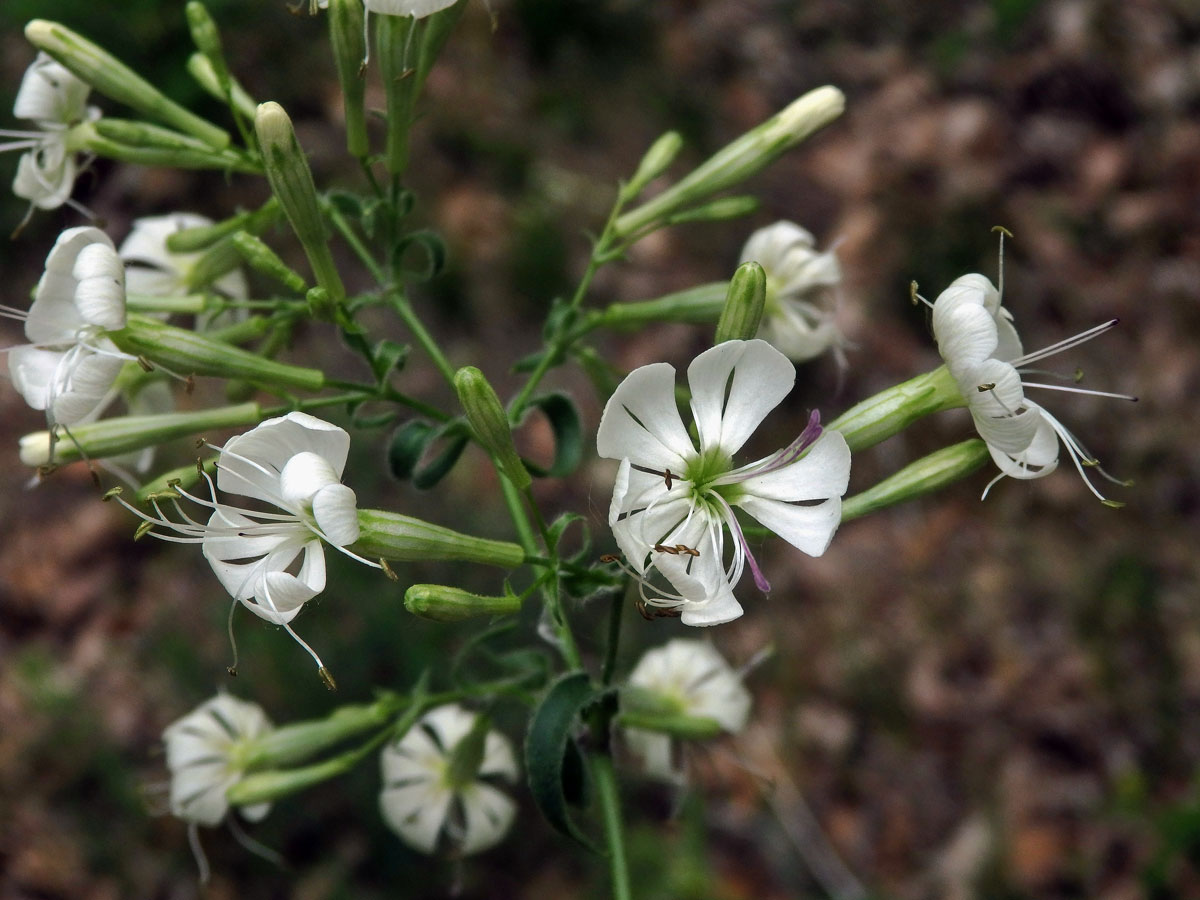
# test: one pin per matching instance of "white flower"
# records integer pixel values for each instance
(418, 9)
(206, 751)
(292, 462)
(672, 503)
(798, 318)
(153, 269)
(54, 100)
(68, 366)
(689, 678)
(423, 800)
(983, 352)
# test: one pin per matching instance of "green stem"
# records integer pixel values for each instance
(385, 392)
(404, 310)
(615, 612)
(512, 499)
(360, 249)
(605, 780)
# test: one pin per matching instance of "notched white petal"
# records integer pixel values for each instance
(335, 509)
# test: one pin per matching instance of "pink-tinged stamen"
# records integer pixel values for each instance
(735, 528)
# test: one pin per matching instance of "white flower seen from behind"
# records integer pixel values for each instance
(154, 269)
(799, 315)
(426, 800)
(673, 502)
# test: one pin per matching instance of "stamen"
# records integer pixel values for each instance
(1066, 344)
(1079, 390)
(193, 833)
(232, 669)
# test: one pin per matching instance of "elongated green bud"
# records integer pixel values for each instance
(489, 422)
(190, 240)
(156, 147)
(690, 728)
(737, 161)
(201, 69)
(219, 259)
(397, 68)
(274, 784)
(189, 353)
(743, 304)
(124, 434)
(292, 182)
(450, 604)
(152, 303)
(262, 258)
(467, 755)
(656, 161)
(136, 133)
(348, 37)
(720, 210)
(700, 305)
(111, 77)
(291, 744)
(208, 41)
(391, 535)
(926, 475)
(891, 411)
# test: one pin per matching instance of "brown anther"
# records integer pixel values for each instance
(663, 548)
(48, 469)
(912, 293)
(984, 388)
(189, 384)
(387, 570)
(232, 670)
(667, 476)
(146, 365)
(200, 467)
(690, 551)
(610, 558)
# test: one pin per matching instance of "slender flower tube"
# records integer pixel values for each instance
(69, 365)
(682, 678)
(152, 268)
(673, 502)
(56, 101)
(429, 794)
(799, 316)
(983, 352)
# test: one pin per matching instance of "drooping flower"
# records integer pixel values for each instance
(982, 350)
(427, 797)
(685, 678)
(799, 316)
(206, 755)
(69, 366)
(291, 462)
(673, 502)
(152, 268)
(55, 100)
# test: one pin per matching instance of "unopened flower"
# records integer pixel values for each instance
(55, 100)
(799, 316)
(982, 350)
(69, 366)
(153, 269)
(673, 502)
(428, 795)
(294, 463)
(206, 754)
(685, 678)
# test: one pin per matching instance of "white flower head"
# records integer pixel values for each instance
(424, 801)
(799, 316)
(690, 678)
(55, 100)
(673, 503)
(976, 338)
(153, 269)
(293, 463)
(69, 366)
(206, 755)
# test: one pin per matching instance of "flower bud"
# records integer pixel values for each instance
(262, 258)
(926, 475)
(489, 421)
(449, 604)
(187, 352)
(292, 182)
(737, 161)
(700, 305)
(656, 161)
(690, 728)
(891, 411)
(208, 41)
(291, 744)
(390, 535)
(111, 77)
(743, 304)
(347, 35)
(189, 240)
(397, 68)
(144, 144)
(124, 434)
(716, 210)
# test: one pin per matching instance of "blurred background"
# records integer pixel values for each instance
(966, 699)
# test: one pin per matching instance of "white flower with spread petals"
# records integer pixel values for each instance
(206, 755)
(673, 502)
(982, 350)
(424, 799)
(685, 678)
(55, 100)
(69, 366)
(153, 269)
(294, 463)
(799, 315)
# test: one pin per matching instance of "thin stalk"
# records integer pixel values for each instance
(614, 639)
(605, 780)
(360, 249)
(405, 311)
(385, 392)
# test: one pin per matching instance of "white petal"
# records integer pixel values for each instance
(655, 751)
(965, 334)
(639, 532)
(100, 293)
(32, 370)
(45, 175)
(734, 385)
(336, 510)
(800, 331)
(701, 579)
(417, 8)
(498, 758)
(769, 246)
(302, 476)
(641, 421)
(1038, 458)
(51, 94)
(694, 676)
(489, 813)
(807, 528)
(54, 316)
(1008, 345)
(824, 471)
(255, 813)
(417, 812)
(449, 724)
(998, 406)
(87, 385)
(198, 794)
(266, 449)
